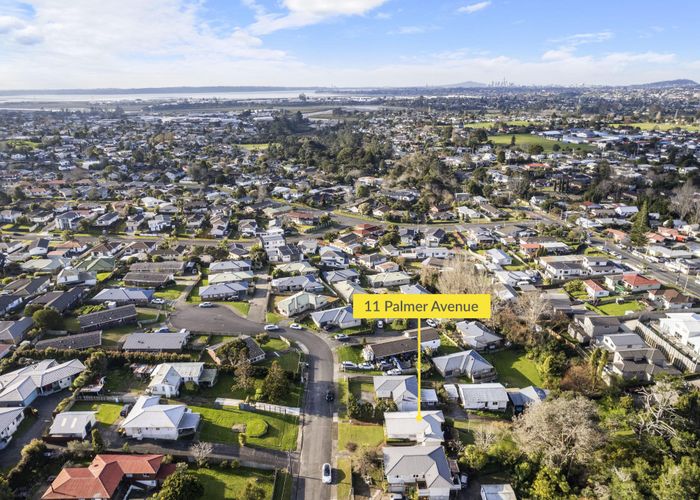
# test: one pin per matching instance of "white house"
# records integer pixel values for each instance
(166, 378)
(301, 302)
(340, 317)
(151, 420)
(402, 389)
(498, 256)
(491, 396)
(497, 492)
(73, 424)
(477, 336)
(22, 386)
(423, 466)
(10, 418)
(468, 363)
(404, 425)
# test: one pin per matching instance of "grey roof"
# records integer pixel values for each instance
(428, 462)
(166, 266)
(223, 288)
(395, 386)
(143, 277)
(466, 361)
(8, 415)
(341, 275)
(155, 341)
(77, 341)
(99, 318)
(527, 395)
(14, 331)
(17, 385)
(123, 295)
(71, 422)
(61, 300)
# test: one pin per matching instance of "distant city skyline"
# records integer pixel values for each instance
(52, 44)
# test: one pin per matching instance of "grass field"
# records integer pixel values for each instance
(289, 361)
(220, 483)
(361, 435)
(123, 380)
(107, 413)
(524, 141)
(254, 147)
(514, 369)
(659, 126)
(241, 307)
(171, 292)
(466, 428)
(613, 309)
(350, 353)
(224, 389)
(447, 346)
(357, 387)
(272, 317)
(217, 426)
(513, 123)
(344, 479)
(274, 345)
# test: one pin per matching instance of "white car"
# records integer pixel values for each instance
(326, 474)
(394, 371)
(271, 328)
(431, 322)
(158, 301)
(205, 305)
(348, 364)
(380, 324)
(341, 337)
(365, 366)
(296, 326)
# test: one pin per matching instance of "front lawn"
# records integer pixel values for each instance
(344, 479)
(358, 387)
(219, 483)
(272, 317)
(466, 428)
(241, 307)
(289, 361)
(224, 389)
(514, 368)
(122, 380)
(107, 413)
(362, 435)
(350, 353)
(217, 426)
(275, 345)
(170, 292)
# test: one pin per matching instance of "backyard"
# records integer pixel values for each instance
(614, 309)
(371, 435)
(107, 413)
(171, 292)
(514, 368)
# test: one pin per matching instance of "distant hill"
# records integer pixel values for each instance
(462, 85)
(683, 82)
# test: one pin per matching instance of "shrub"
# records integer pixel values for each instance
(256, 428)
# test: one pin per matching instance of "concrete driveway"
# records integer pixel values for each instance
(46, 405)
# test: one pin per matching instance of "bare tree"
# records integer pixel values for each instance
(464, 277)
(366, 461)
(201, 452)
(658, 416)
(683, 201)
(484, 438)
(560, 431)
(531, 307)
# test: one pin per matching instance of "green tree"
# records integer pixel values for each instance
(550, 483)
(181, 485)
(253, 491)
(47, 319)
(474, 457)
(5, 490)
(680, 480)
(640, 227)
(244, 372)
(98, 444)
(276, 383)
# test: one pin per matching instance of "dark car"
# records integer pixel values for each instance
(125, 410)
(330, 396)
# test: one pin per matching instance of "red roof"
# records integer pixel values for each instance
(102, 477)
(634, 279)
(593, 286)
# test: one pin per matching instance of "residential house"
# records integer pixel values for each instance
(123, 296)
(388, 280)
(167, 378)
(423, 467)
(465, 363)
(404, 347)
(147, 280)
(670, 299)
(595, 290)
(636, 283)
(296, 283)
(22, 386)
(401, 389)
(156, 342)
(254, 351)
(14, 332)
(301, 302)
(150, 419)
(491, 396)
(527, 396)
(224, 291)
(70, 425)
(122, 315)
(339, 317)
(10, 418)
(74, 341)
(9, 303)
(477, 336)
(69, 276)
(405, 426)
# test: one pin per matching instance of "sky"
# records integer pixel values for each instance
(52, 44)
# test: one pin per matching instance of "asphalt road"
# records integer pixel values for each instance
(317, 415)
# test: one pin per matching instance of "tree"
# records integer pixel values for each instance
(658, 415)
(98, 444)
(5, 490)
(258, 255)
(79, 449)
(683, 201)
(640, 226)
(201, 452)
(474, 457)
(276, 383)
(531, 307)
(559, 432)
(464, 277)
(253, 491)
(244, 372)
(180, 485)
(679, 480)
(367, 461)
(549, 483)
(47, 319)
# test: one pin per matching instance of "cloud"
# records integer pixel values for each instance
(9, 24)
(584, 38)
(475, 7)
(302, 13)
(28, 36)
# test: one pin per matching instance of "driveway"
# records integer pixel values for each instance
(46, 405)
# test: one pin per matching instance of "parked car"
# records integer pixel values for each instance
(384, 366)
(162, 329)
(206, 305)
(365, 366)
(158, 301)
(296, 326)
(330, 396)
(125, 410)
(431, 322)
(394, 371)
(348, 364)
(271, 328)
(327, 476)
(464, 481)
(341, 337)
(380, 324)
(329, 328)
